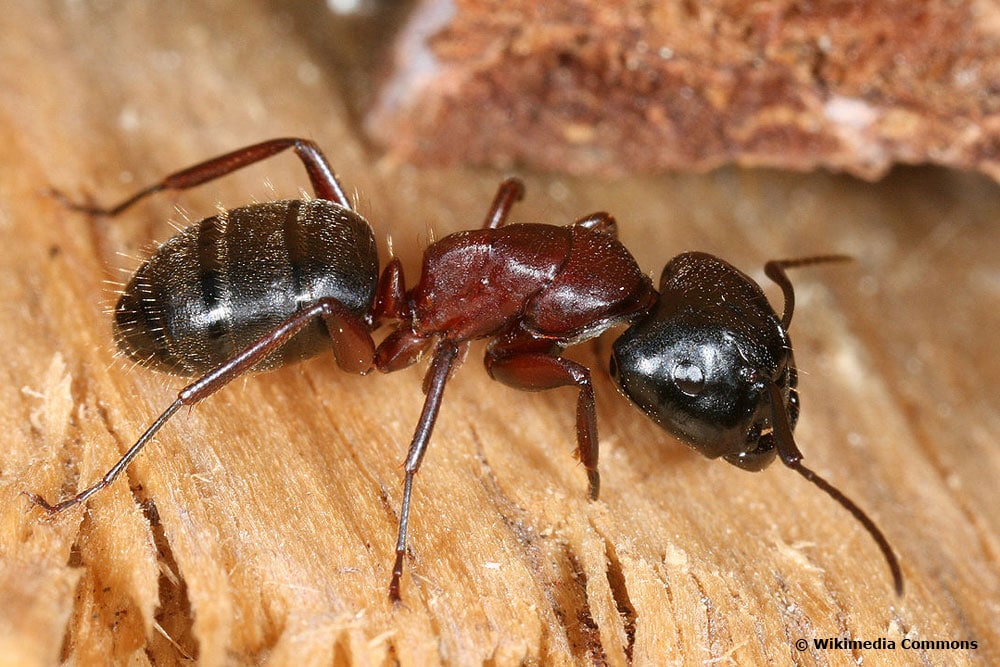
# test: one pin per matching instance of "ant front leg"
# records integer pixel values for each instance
(600, 222)
(324, 181)
(523, 362)
(353, 348)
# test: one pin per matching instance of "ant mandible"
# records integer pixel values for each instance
(256, 287)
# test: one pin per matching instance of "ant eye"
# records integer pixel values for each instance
(689, 378)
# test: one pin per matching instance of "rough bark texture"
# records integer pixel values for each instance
(628, 86)
(259, 526)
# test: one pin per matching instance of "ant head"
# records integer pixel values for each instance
(699, 364)
(712, 364)
(694, 380)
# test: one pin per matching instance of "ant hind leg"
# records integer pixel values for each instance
(321, 176)
(352, 346)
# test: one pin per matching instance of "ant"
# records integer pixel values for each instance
(252, 288)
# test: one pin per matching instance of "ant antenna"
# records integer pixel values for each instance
(775, 270)
(792, 457)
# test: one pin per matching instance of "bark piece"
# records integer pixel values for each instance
(631, 86)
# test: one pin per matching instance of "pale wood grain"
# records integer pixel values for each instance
(276, 499)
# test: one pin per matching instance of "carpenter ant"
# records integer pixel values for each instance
(706, 357)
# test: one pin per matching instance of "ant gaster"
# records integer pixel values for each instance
(252, 288)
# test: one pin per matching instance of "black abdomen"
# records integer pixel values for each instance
(225, 281)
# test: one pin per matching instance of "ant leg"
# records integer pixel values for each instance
(445, 357)
(792, 457)
(601, 222)
(400, 349)
(324, 181)
(775, 270)
(350, 347)
(531, 364)
(350, 336)
(511, 190)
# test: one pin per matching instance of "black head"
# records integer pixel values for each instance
(712, 364)
(700, 363)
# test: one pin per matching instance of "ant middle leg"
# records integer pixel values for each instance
(447, 355)
(511, 190)
(324, 181)
(353, 348)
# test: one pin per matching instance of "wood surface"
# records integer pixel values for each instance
(259, 526)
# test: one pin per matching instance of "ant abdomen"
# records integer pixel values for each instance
(222, 283)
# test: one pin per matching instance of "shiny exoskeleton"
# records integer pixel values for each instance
(255, 287)
(714, 335)
(225, 281)
(712, 364)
